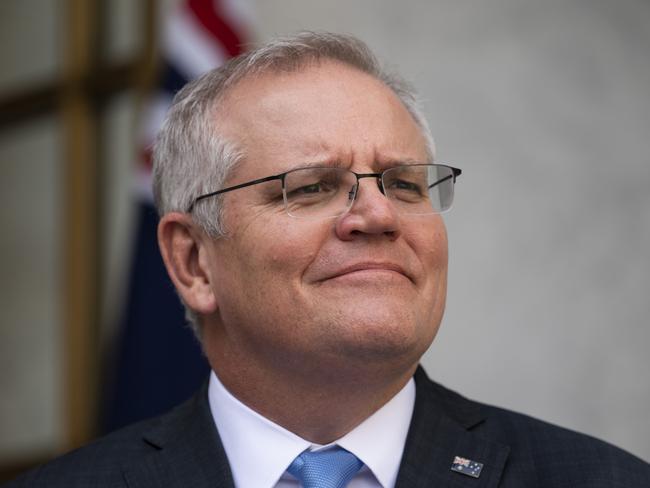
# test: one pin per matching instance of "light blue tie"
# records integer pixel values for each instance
(331, 468)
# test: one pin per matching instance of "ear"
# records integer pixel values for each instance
(182, 245)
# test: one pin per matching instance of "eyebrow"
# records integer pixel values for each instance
(401, 162)
(392, 163)
(326, 163)
(337, 163)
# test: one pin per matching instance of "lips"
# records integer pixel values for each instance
(366, 266)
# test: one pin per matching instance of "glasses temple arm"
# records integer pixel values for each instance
(441, 181)
(236, 187)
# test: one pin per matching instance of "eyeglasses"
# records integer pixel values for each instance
(321, 192)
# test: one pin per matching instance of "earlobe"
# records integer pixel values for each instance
(182, 246)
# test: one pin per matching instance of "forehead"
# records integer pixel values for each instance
(323, 112)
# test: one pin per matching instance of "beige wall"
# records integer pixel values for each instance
(545, 106)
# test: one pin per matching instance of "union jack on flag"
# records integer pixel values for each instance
(467, 467)
(197, 35)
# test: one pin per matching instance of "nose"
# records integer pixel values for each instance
(372, 213)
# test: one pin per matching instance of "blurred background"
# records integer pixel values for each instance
(545, 105)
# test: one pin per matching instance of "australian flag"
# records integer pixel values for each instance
(157, 363)
(466, 466)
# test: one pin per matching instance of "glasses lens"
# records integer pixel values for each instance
(315, 193)
(420, 189)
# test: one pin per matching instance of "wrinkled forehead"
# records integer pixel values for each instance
(324, 110)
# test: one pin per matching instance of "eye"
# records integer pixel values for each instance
(403, 185)
(312, 187)
(406, 185)
(309, 189)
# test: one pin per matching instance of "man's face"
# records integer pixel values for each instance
(367, 287)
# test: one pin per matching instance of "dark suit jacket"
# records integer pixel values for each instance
(182, 449)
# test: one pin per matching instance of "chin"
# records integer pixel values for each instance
(382, 337)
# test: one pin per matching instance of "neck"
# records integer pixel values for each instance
(318, 404)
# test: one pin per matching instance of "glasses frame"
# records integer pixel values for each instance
(456, 172)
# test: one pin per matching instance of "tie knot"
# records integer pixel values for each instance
(331, 468)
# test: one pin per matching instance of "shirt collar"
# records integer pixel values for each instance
(250, 439)
(392, 422)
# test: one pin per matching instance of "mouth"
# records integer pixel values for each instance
(369, 270)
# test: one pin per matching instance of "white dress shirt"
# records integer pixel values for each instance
(260, 451)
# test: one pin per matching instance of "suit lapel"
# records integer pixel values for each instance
(441, 429)
(186, 451)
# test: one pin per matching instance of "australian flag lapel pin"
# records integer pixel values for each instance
(467, 467)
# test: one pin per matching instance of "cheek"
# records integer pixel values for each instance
(440, 248)
(437, 263)
(429, 242)
(281, 247)
(439, 240)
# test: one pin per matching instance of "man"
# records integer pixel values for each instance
(300, 223)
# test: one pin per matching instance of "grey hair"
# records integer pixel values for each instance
(192, 158)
